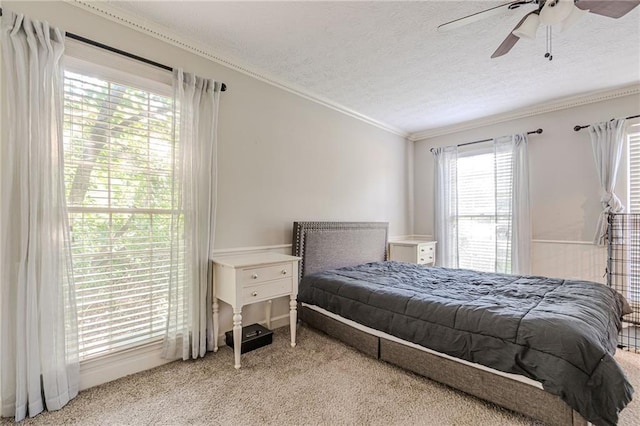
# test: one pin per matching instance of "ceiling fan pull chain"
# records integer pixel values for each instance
(550, 42)
(546, 40)
(548, 55)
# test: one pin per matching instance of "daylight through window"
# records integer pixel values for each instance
(484, 183)
(119, 147)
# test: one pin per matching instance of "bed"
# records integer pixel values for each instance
(494, 336)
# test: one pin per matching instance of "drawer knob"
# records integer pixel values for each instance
(422, 259)
(422, 250)
(254, 276)
(284, 272)
(254, 294)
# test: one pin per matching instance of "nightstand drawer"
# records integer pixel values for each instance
(425, 249)
(268, 290)
(424, 259)
(251, 276)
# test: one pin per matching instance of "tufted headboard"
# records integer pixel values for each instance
(330, 245)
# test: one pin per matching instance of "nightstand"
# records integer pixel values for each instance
(246, 279)
(413, 251)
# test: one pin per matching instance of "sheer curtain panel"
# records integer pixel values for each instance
(446, 208)
(189, 331)
(607, 141)
(38, 337)
(520, 207)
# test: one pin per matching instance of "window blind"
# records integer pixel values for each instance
(119, 148)
(484, 211)
(634, 172)
(632, 232)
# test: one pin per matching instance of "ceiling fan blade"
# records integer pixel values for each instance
(610, 8)
(511, 40)
(478, 16)
(506, 46)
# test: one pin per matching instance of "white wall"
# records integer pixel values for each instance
(281, 158)
(565, 199)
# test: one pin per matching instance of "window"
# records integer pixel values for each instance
(633, 144)
(484, 185)
(484, 211)
(632, 249)
(119, 145)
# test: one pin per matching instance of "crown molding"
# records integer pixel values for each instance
(170, 36)
(555, 105)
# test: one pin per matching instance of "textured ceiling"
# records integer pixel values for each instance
(386, 61)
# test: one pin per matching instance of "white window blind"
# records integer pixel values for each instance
(119, 147)
(484, 211)
(633, 140)
(633, 232)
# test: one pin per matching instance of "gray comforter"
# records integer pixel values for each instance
(561, 333)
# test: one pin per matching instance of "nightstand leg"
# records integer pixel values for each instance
(216, 325)
(293, 316)
(237, 337)
(268, 314)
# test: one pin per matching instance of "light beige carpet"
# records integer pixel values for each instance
(321, 381)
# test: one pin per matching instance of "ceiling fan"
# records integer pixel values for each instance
(548, 12)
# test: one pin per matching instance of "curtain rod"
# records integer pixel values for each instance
(223, 86)
(538, 131)
(578, 127)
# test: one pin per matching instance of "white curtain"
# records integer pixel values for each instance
(446, 202)
(520, 208)
(189, 332)
(607, 141)
(39, 366)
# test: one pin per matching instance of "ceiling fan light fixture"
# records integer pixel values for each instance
(574, 16)
(528, 28)
(555, 11)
